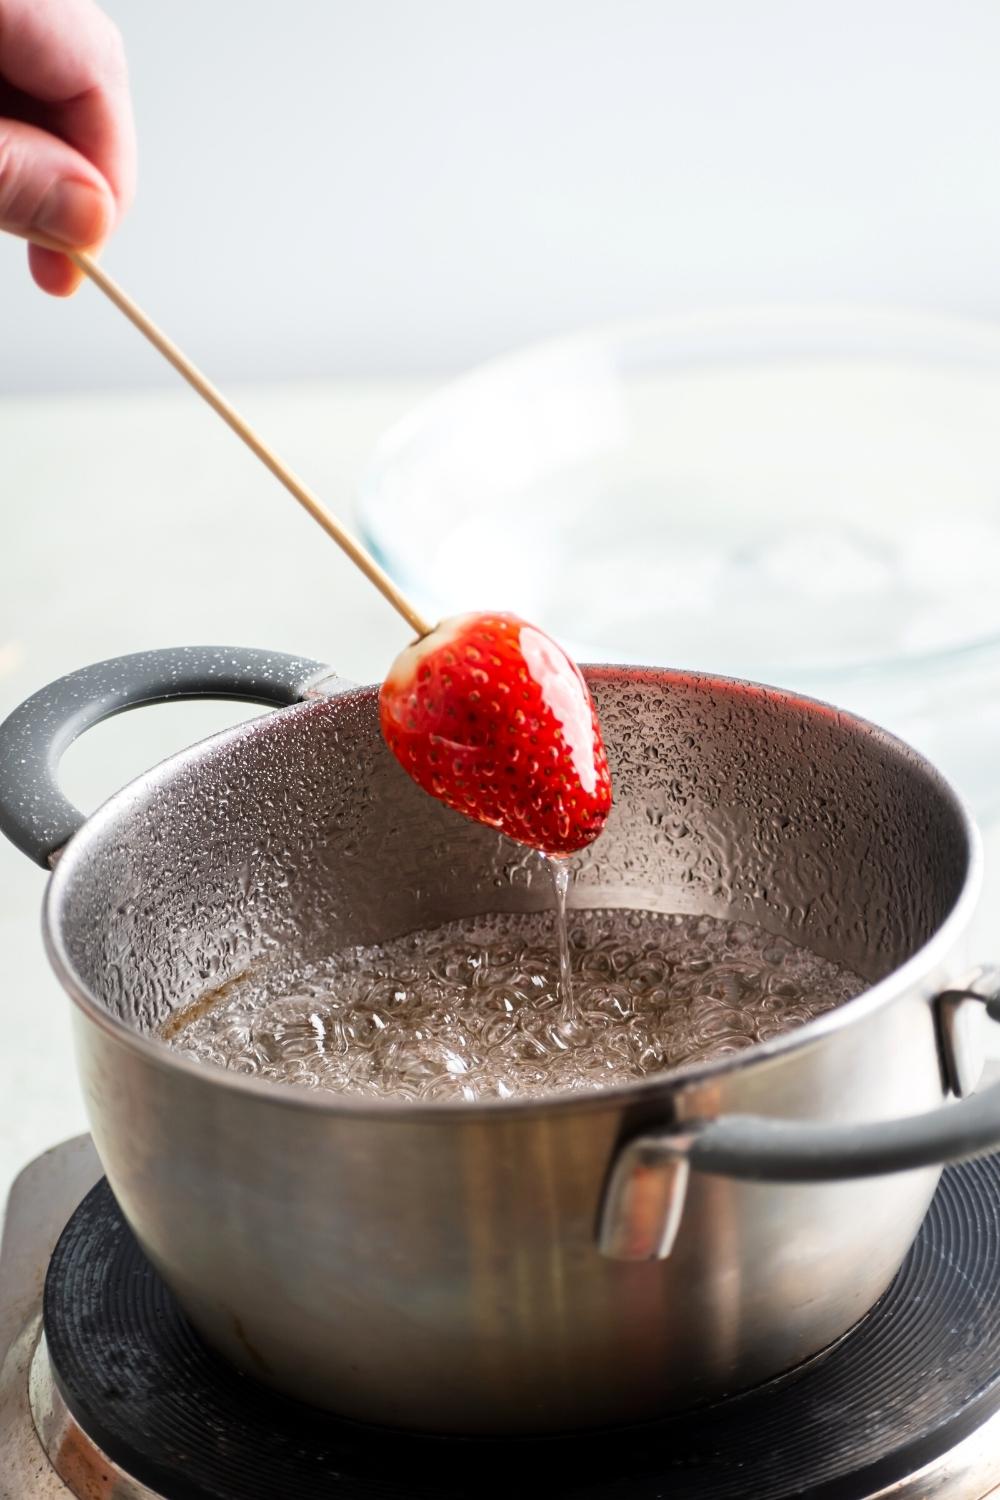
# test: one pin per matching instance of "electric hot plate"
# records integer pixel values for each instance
(125, 1396)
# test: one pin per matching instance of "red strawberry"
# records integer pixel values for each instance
(491, 716)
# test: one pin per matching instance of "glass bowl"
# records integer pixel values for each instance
(804, 497)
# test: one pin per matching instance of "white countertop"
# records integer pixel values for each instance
(131, 521)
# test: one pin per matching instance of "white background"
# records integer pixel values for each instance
(390, 186)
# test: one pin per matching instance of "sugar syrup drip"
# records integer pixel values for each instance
(560, 884)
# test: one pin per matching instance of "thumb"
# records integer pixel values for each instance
(50, 191)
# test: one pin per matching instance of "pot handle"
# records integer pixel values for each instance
(34, 814)
(644, 1195)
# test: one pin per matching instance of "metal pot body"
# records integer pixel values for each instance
(441, 1266)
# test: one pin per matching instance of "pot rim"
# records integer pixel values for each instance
(671, 1081)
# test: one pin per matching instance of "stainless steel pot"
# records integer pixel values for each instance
(512, 1265)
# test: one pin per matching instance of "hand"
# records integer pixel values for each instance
(67, 142)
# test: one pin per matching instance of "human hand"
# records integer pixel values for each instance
(67, 142)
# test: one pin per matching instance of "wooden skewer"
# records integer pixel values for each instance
(210, 393)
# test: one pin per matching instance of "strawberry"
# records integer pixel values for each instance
(488, 714)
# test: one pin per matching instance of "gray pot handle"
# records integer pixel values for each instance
(644, 1196)
(34, 814)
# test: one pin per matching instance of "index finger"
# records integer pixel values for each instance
(69, 55)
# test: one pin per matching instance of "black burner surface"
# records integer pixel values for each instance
(919, 1374)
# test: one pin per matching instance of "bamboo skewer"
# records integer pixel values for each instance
(210, 393)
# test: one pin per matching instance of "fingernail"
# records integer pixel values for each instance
(74, 212)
